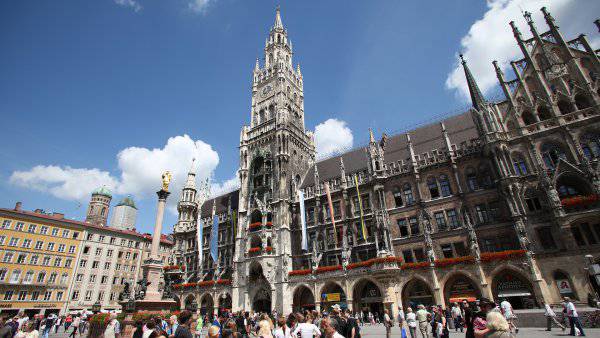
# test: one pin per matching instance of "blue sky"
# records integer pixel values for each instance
(91, 92)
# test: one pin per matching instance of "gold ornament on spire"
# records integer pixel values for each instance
(166, 179)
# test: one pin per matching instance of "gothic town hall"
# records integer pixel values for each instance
(501, 201)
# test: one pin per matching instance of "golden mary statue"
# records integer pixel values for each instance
(166, 179)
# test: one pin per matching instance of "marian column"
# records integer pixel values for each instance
(153, 265)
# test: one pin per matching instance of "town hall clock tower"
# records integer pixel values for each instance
(275, 151)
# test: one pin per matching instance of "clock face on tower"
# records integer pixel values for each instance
(266, 91)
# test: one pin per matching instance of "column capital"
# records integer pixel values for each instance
(163, 194)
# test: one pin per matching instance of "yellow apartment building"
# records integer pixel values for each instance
(38, 254)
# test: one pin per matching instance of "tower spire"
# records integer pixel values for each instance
(278, 23)
(477, 99)
(191, 179)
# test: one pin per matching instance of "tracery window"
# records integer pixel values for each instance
(551, 154)
(590, 144)
(519, 164)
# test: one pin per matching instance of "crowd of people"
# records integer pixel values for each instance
(40, 326)
(480, 319)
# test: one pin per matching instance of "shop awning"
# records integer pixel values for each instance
(514, 293)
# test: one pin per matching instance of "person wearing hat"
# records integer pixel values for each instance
(337, 321)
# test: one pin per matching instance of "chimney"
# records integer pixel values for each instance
(58, 215)
(18, 206)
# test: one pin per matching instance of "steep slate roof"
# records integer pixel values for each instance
(460, 128)
(221, 203)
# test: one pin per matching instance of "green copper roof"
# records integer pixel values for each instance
(128, 201)
(102, 191)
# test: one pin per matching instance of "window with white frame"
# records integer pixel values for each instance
(8, 256)
(72, 249)
(6, 224)
(39, 245)
(28, 279)
(59, 295)
(31, 228)
(26, 243)
(13, 241)
(35, 295)
(19, 226)
(15, 277)
(52, 278)
(34, 260)
(50, 247)
(41, 276)
(46, 261)
(8, 294)
(3, 273)
(88, 295)
(54, 232)
(43, 230)
(75, 295)
(47, 295)
(79, 277)
(61, 248)
(57, 261)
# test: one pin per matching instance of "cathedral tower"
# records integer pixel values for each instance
(97, 212)
(275, 151)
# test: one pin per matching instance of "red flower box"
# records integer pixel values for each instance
(269, 224)
(418, 265)
(185, 285)
(174, 267)
(323, 269)
(224, 281)
(582, 200)
(440, 263)
(206, 283)
(372, 261)
(269, 249)
(502, 255)
(254, 250)
(255, 225)
(300, 272)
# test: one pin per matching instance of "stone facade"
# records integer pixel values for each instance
(500, 201)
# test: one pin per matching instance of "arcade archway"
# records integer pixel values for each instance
(367, 297)
(190, 303)
(207, 305)
(512, 286)
(303, 299)
(331, 294)
(224, 303)
(417, 292)
(259, 289)
(460, 287)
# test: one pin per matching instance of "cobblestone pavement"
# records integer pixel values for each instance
(379, 331)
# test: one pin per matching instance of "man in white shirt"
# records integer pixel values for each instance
(306, 329)
(457, 317)
(507, 311)
(387, 322)
(551, 317)
(573, 317)
(400, 316)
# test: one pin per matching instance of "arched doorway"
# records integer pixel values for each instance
(303, 299)
(190, 303)
(331, 294)
(460, 287)
(224, 303)
(207, 305)
(259, 289)
(368, 298)
(417, 292)
(515, 288)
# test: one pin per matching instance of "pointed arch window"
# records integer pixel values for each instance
(582, 102)
(590, 144)
(434, 191)
(445, 187)
(564, 107)
(543, 113)
(532, 201)
(408, 194)
(528, 118)
(519, 164)
(551, 154)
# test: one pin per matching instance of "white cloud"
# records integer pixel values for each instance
(129, 3)
(219, 188)
(63, 182)
(199, 6)
(140, 172)
(490, 38)
(332, 136)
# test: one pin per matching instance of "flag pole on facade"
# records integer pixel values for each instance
(303, 220)
(360, 208)
(331, 214)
